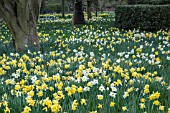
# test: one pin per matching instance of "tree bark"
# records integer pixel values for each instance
(89, 16)
(96, 7)
(78, 16)
(63, 14)
(21, 17)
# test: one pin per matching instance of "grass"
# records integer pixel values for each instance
(97, 68)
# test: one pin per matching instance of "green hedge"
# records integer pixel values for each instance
(145, 17)
(153, 2)
(51, 8)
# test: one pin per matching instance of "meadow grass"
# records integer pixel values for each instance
(95, 69)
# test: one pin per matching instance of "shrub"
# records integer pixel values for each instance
(51, 8)
(145, 17)
(152, 2)
(158, 2)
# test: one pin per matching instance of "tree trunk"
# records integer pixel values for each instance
(89, 16)
(96, 7)
(63, 15)
(21, 17)
(68, 8)
(78, 16)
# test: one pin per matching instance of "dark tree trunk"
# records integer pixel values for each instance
(89, 16)
(68, 6)
(63, 15)
(78, 16)
(96, 7)
(21, 17)
(42, 5)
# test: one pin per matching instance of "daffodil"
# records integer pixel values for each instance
(83, 101)
(99, 106)
(161, 108)
(124, 108)
(100, 97)
(112, 104)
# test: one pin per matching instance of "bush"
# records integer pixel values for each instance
(145, 17)
(153, 2)
(51, 8)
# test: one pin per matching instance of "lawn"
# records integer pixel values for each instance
(95, 69)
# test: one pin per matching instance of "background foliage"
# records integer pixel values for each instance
(146, 17)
